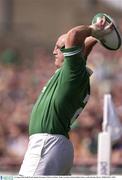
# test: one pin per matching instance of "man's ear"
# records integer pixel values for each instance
(63, 47)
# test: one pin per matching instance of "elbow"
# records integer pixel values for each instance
(71, 38)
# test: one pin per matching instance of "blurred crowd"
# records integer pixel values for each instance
(21, 80)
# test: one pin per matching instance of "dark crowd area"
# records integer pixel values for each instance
(23, 76)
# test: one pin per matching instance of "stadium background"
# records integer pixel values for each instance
(28, 31)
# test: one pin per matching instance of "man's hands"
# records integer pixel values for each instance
(77, 35)
(100, 29)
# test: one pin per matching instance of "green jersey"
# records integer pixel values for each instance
(63, 97)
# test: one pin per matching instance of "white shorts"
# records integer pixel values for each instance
(47, 154)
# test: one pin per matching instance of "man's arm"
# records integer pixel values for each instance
(90, 42)
(77, 35)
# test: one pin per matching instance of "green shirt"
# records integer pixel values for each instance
(63, 97)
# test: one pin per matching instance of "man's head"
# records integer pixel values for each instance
(59, 57)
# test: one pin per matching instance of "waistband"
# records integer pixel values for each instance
(45, 135)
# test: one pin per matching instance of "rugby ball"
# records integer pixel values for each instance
(111, 41)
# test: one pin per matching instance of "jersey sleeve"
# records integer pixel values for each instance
(74, 73)
(73, 84)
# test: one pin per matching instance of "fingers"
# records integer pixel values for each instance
(101, 28)
(103, 21)
(109, 27)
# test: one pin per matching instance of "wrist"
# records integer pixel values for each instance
(93, 30)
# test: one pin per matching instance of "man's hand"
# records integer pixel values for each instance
(100, 29)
